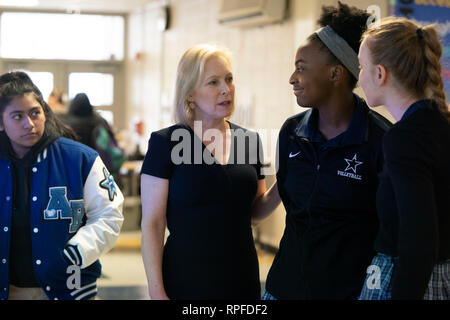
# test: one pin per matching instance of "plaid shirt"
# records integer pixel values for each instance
(378, 284)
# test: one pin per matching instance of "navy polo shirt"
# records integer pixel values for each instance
(328, 190)
(356, 132)
(421, 104)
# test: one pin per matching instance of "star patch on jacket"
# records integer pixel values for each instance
(352, 164)
(108, 184)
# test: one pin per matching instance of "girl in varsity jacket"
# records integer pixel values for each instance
(60, 208)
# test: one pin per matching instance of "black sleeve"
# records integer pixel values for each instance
(410, 172)
(253, 150)
(260, 162)
(157, 161)
(280, 162)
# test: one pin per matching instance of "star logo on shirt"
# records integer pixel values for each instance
(352, 164)
(108, 184)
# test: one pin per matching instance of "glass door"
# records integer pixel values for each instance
(44, 75)
(101, 82)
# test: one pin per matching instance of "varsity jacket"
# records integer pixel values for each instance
(328, 189)
(75, 216)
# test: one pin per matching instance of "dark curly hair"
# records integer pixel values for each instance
(349, 23)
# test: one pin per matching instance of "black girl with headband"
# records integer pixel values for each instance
(329, 159)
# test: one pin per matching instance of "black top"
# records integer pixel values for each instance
(413, 198)
(210, 253)
(85, 126)
(328, 189)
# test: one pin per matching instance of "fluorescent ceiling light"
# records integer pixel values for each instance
(19, 3)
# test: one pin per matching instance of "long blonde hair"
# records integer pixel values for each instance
(189, 74)
(412, 54)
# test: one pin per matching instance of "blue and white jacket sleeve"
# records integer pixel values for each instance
(103, 206)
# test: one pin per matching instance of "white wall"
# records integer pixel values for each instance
(262, 63)
(263, 60)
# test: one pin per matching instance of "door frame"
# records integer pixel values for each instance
(61, 70)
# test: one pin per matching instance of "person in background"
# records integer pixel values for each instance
(56, 102)
(206, 200)
(329, 160)
(400, 69)
(59, 209)
(95, 132)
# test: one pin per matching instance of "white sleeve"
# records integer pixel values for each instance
(103, 203)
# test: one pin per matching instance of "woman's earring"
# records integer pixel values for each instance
(192, 105)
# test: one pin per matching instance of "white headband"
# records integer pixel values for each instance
(340, 48)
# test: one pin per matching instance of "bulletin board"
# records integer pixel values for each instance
(427, 12)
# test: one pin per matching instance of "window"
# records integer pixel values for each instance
(99, 87)
(26, 35)
(42, 80)
(107, 115)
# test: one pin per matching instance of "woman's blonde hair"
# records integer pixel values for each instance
(412, 55)
(189, 74)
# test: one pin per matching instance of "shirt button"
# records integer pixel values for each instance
(34, 198)
(8, 198)
(55, 299)
(47, 288)
(5, 229)
(38, 262)
(35, 230)
(3, 261)
(34, 169)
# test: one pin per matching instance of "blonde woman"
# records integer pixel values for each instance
(200, 179)
(413, 242)
(56, 102)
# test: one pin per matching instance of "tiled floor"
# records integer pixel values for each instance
(123, 274)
